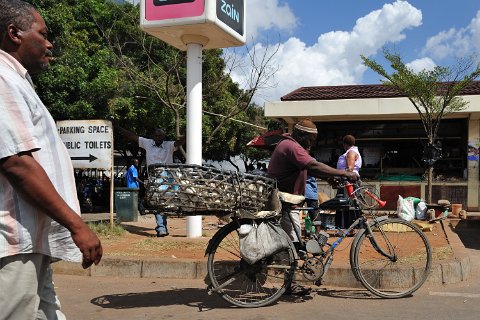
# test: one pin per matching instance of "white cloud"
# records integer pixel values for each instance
(264, 15)
(421, 64)
(455, 43)
(335, 58)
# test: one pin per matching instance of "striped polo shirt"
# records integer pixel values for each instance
(26, 125)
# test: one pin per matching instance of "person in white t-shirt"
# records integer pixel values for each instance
(158, 151)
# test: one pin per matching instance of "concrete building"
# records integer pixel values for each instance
(391, 138)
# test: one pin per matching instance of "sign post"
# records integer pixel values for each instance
(193, 25)
(90, 146)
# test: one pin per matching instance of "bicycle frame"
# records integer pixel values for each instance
(361, 223)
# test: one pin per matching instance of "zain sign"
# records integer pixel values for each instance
(231, 12)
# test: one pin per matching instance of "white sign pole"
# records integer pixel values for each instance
(194, 122)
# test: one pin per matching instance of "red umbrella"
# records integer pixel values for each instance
(268, 140)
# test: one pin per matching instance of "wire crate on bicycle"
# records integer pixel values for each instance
(181, 189)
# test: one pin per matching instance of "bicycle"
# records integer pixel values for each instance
(376, 257)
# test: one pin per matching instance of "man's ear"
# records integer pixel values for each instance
(14, 34)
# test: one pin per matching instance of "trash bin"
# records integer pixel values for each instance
(126, 204)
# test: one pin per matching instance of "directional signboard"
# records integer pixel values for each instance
(89, 142)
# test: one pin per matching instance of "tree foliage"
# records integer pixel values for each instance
(105, 65)
(433, 93)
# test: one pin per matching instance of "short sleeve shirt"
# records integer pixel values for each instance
(132, 175)
(288, 166)
(27, 126)
(157, 154)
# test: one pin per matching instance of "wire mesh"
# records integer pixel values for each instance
(193, 189)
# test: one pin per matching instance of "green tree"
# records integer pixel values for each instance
(159, 72)
(434, 94)
(82, 78)
(105, 65)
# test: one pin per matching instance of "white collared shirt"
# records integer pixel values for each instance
(162, 154)
(26, 125)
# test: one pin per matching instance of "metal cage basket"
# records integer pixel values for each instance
(192, 189)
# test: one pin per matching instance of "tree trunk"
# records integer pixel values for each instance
(429, 184)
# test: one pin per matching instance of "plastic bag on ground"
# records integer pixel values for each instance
(405, 209)
(421, 211)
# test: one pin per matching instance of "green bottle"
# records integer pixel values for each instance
(308, 225)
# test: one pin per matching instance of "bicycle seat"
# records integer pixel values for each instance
(335, 203)
(290, 198)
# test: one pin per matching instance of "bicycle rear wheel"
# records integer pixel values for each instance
(404, 271)
(240, 283)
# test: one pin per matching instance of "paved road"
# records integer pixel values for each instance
(114, 298)
(106, 298)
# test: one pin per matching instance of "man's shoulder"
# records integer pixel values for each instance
(9, 76)
(144, 142)
(169, 144)
(288, 143)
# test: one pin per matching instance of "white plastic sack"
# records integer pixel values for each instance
(421, 210)
(261, 240)
(405, 209)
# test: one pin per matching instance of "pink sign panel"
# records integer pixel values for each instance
(173, 9)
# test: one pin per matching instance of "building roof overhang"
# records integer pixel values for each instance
(356, 103)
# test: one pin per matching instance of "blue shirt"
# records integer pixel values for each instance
(311, 188)
(132, 175)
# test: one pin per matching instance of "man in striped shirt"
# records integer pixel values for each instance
(39, 210)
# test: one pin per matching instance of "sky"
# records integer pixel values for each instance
(320, 42)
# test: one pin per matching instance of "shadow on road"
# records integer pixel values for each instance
(141, 231)
(346, 294)
(469, 233)
(194, 297)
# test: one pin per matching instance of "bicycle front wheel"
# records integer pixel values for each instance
(395, 261)
(240, 283)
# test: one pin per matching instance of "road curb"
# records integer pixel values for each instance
(452, 271)
(460, 268)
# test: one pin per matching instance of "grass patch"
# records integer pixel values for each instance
(442, 253)
(106, 231)
(153, 244)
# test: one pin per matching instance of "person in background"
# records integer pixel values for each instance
(351, 161)
(40, 214)
(290, 164)
(132, 175)
(258, 170)
(134, 182)
(158, 151)
(311, 198)
(264, 168)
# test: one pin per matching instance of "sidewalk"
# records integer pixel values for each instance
(140, 254)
